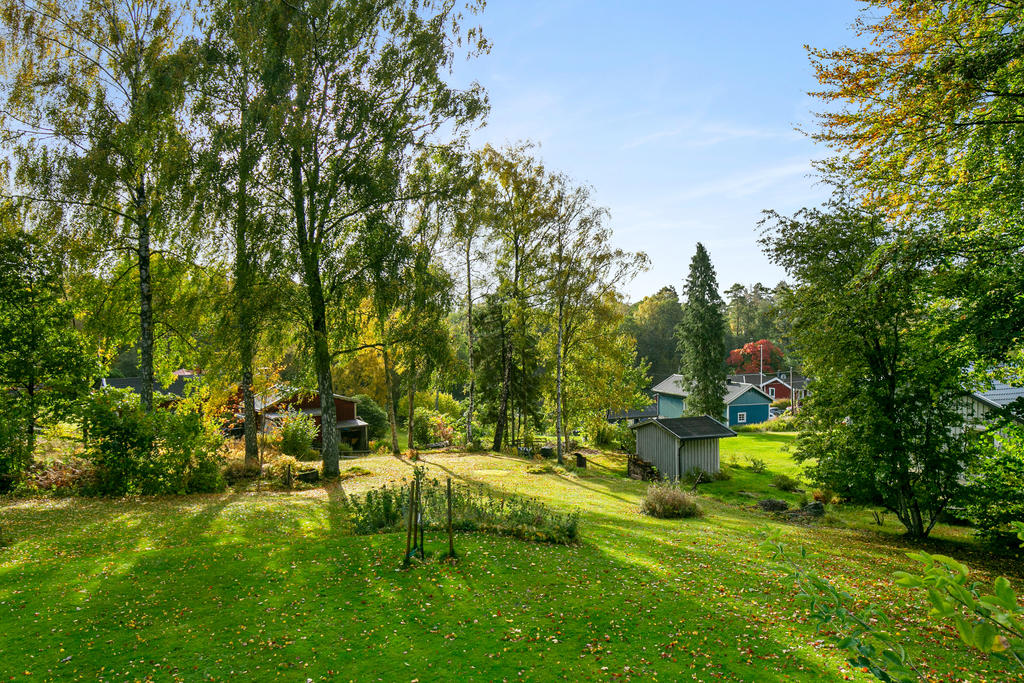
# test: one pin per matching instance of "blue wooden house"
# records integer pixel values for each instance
(744, 403)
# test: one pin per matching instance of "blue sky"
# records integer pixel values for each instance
(680, 114)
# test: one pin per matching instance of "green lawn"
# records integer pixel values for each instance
(272, 586)
(771, 447)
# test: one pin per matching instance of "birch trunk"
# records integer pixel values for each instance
(144, 256)
(318, 315)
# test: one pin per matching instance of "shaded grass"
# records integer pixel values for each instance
(271, 587)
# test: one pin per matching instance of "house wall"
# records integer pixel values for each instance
(670, 406)
(753, 404)
(781, 390)
(344, 409)
(702, 453)
(658, 447)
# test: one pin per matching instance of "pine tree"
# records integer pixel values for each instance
(701, 338)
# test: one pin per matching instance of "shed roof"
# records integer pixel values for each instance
(734, 391)
(1001, 394)
(686, 428)
(671, 386)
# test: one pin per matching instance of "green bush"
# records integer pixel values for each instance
(724, 473)
(784, 482)
(782, 404)
(473, 509)
(431, 427)
(996, 492)
(446, 404)
(756, 465)
(667, 501)
(421, 426)
(160, 451)
(783, 423)
(296, 435)
(15, 452)
(370, 412)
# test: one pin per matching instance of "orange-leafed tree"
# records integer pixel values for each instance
(751, 358)
(926, 122)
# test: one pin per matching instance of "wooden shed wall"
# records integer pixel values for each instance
(702, 453)
(658, 447)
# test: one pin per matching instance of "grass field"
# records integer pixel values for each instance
(272, 586)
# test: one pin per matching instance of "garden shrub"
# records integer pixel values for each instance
(473, 509)
(67, 476)
(421, 431)
(446, 404)
(784, 482)
(755, 464)
(430, 427)
(602, 435)
(15, 451)
(371, 412)
(724, 473)
(996, 491)
(277, 470)
(160, 451)
(237, 470)
(783, 423)
(296, 435)
(825, 495)
(668, 501)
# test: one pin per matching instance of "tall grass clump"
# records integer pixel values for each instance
(667, 501)
(473, 509)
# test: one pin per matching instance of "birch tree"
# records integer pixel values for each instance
(93, 99)
(585, 269)
(357, 86)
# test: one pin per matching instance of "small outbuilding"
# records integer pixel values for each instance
(677, 445)
(351, 430)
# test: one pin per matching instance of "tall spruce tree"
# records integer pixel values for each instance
(701, 338)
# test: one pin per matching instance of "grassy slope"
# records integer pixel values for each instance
(270, 587)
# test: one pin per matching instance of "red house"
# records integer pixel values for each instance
(780, 386)
(351, 429)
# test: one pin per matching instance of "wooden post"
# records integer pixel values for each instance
(288, 476)
(408, 530)
(451, 539)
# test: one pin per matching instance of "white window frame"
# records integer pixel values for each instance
(741, 418)
(771, 391)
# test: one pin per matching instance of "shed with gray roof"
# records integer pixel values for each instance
(677, 445)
